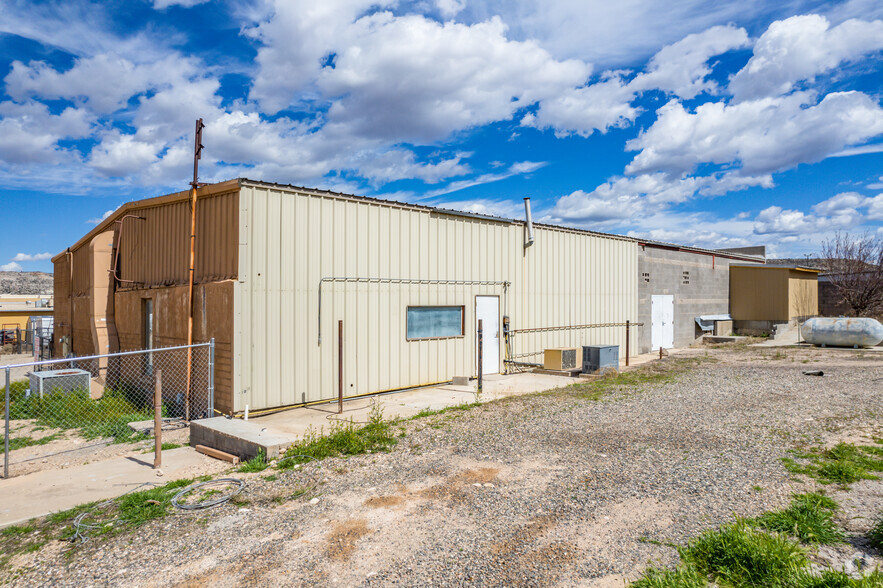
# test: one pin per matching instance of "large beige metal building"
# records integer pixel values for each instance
(278, 266)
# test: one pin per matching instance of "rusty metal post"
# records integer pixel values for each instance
(6, 433)
(480, 354)
(628, 341)
(157, 421)
(660, 352)
(339, 367)
(194, 185)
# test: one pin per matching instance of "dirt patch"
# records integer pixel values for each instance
(524, 558)
(342, 539)
(453, 488)
(384, 501)
(530, 532)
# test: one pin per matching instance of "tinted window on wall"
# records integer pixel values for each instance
(432, 322)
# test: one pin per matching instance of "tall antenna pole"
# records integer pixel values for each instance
(197, 155)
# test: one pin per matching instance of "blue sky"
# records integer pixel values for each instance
(709, 124)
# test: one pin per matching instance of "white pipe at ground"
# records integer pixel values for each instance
(246, 413)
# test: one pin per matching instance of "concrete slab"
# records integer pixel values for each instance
(723, 338)
(244, 439)
(41, 493)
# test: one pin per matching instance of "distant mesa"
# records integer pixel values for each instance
(25, 283)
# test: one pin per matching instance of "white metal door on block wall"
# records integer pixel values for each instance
(662, 332)
(487, 310)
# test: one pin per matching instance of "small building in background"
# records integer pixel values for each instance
(15, 310)
(764, 296)
(684, 292)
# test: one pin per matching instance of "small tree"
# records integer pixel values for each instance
(854, 266)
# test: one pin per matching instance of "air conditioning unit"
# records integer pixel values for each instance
(600, 359)
(59, 381)
(562, 358)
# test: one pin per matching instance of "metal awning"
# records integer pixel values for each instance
(706, 321)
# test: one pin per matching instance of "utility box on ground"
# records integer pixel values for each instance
(600, 358)
(562, 358)
(59, 381)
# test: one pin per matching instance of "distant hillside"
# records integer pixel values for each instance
(25, 283)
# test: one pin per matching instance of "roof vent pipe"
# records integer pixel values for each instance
(529, 225)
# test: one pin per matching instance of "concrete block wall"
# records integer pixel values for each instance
(699, 282)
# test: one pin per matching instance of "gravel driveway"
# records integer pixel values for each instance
(549, 489)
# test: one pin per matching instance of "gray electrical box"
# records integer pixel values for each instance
(59, 381)
(600, 358)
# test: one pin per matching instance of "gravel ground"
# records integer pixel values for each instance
(548, 489)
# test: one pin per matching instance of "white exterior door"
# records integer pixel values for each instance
(487, 310)
(662, 331)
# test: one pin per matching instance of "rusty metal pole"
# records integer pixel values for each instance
(660, 352)
(197, 154)
(157, 421)
(339, 367)
(480, 358)
(6, 432)
(627, 342)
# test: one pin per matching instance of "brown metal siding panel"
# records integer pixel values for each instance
(82, 278)
(156, 251)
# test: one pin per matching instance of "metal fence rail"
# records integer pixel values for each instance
(95, 398)
(513, 360)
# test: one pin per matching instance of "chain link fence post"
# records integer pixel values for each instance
(6, 433)
(211, 378)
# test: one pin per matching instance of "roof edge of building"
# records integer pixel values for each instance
(206, 190)
(236, 183)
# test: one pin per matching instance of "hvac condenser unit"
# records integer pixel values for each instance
(563, 358)
(59, 381)
(599, 359)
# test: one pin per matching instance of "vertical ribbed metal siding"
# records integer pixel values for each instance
(156, 251)
(290, 240)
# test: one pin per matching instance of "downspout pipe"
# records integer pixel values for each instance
(529, 223)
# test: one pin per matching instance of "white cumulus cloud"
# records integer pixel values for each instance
(11, 267)
(31, 257)
(799, 48)
(761, 136)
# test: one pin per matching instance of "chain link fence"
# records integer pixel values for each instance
(36, 342)
(52, 405)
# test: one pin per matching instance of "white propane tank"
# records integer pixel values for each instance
(842, 332)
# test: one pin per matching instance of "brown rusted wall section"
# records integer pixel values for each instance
(78, 288)
(61, 284)
(212, 317)
(156, 251)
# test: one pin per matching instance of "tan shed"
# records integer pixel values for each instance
(773, 294)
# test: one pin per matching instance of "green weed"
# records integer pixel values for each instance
(108, 416)
(256, 464)
(809, 518)
(843, 464)
(345, 438)
(684, 576)
(875, 535)
(20, 442)
(457, 407)
(741, 555)
(654, 374)
(164, 447)
(17, 530)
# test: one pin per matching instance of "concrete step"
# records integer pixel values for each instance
(244, 439)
